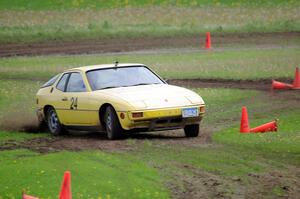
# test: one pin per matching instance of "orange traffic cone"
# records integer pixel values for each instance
(268, 127)
(208, 41)
(281, 85)
(24, 196)
(296, 83)
(244, 128)
(65, 192)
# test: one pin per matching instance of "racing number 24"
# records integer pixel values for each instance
(74, 101)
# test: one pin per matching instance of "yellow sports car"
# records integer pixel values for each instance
(118, 99)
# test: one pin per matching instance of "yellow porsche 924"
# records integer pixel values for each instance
(118, 99)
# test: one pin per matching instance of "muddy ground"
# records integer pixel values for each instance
(137, 44)
(199, 184)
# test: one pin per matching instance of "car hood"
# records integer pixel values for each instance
(155, 96)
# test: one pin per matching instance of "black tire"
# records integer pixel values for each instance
(42, 126)
(192, 130)
(112, 125)
(54, 125)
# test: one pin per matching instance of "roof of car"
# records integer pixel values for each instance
(93, 67)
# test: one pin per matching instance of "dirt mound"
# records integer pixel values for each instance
(135, 44)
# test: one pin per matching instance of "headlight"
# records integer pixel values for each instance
(194, 99)
(138, 104)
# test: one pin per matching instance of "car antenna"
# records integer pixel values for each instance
(116, 63)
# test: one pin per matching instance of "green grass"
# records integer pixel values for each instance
(231, 64)
(94, 175)
(283, 145)
(37, 21)
(221, 103)
(17, 136)
(102, 4)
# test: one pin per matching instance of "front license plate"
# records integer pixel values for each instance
(190, 112)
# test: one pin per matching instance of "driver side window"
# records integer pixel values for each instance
(75, 83)
(62, 82)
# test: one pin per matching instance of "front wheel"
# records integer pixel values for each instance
(53, 123)
(192, 130)
(112, 124)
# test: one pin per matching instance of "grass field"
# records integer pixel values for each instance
(95, 174)
(102, 4)
(36, 21)
(147, 171)
(228, 64)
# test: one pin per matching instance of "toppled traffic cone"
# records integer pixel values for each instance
(244, 128)
(24, 196)
(296, 83)
(65, 192)
(281, 85)
(268, 127)
(208, 41)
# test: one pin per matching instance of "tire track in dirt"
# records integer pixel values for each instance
(111, 45)
(263, 84)
(196, 183)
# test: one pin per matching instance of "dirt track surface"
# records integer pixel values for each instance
(201, 184)
(219, 83)
(78, 141)
(135, 44)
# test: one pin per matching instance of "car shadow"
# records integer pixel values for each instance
(137, 135)
(75, 134)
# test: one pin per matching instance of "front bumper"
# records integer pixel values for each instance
(160, 119)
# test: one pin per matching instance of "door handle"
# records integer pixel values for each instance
(64, 99)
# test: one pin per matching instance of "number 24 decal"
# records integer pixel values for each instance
(74, 101)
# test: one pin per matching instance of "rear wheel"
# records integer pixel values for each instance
(112, 124)
(54, 125)
(192, 130)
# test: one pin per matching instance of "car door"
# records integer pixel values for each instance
(76, 96)
(58, 98)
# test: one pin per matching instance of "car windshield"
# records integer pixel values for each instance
(121, 77)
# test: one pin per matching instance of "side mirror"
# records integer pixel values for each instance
(166, 81)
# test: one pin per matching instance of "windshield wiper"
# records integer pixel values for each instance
(107, 87)
(140, 84)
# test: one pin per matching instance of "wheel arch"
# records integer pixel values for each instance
(102, 112)
(45, 110)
